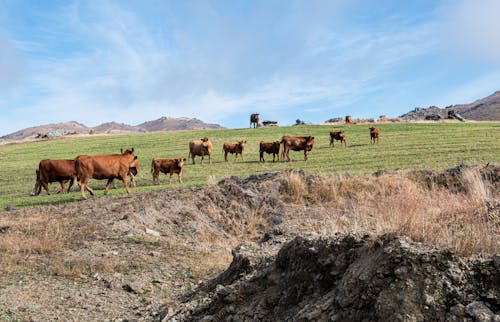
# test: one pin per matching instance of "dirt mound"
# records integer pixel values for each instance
(349, 278)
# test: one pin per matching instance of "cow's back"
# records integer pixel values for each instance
(56, 170)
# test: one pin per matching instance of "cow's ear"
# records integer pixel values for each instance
(135, 157)
(183, 159)
(132, 150)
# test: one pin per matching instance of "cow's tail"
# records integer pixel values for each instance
(152, 165)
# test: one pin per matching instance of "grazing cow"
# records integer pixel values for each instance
(348, 120)
(167, 165)
(104, 166)
(269, 147)
(374, 135)
(54, 171)
(296, 143)
(200, 147)
(234, 148)
(339, 136)
(254, 119)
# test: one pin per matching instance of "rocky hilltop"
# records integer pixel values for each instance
(71, 128)
(485, 109)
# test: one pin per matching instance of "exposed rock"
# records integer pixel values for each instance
(348, 278)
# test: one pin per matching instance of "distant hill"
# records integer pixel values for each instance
(485, 109)
(72, 128)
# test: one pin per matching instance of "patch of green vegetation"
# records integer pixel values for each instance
(402, 146)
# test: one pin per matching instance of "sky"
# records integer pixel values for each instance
(96, 61)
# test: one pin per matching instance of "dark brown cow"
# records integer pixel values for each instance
(54, 171)
(234, 148)
(348, 120)
(269, 147)
(374, 135)
(339, 136)
(296, 143)
(200, 147)
(132, 171)
(167, 165)
(103, 166)
(254, 119)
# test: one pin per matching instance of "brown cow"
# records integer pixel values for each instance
(200, 147)
(296, 143)
(167, 165)
(54, 171)
(234, 148)
(132, 172)
(339, 136)
(348, 120)
(374, 135)
(254, 119)
(104, 166)
(269, 147)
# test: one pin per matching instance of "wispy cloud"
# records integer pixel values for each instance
(95, 61)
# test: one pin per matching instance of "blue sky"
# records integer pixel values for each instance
(135, 61)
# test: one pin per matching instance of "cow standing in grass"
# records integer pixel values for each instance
(201, 148)
(54, 171)
(234, 148)
(269, 147)
(339, 136)
(348, 120)
(167, 165)
(104, 166)
(374, 135)
(296, 143)
(254, 119)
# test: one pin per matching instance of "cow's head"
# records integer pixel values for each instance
(309, 143)
(372, 129)
(205, 139)
(242, 143)
(180, 162)
(128, 151)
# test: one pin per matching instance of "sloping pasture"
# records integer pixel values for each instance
(402, 146)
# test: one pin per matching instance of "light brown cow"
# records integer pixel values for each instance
(339, 136)
(296, 143)
(254, 119)
(348, 120)
(234, 148)
(269, 147)
(200, 147)
(374, 135)
(167, 165)
(54, 171)
(103, 166)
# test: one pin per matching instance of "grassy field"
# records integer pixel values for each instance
(402, 146)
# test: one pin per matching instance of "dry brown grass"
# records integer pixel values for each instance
(393, 203)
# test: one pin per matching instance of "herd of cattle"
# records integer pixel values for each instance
(126, 164)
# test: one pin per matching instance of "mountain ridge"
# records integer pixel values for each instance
(73, 127)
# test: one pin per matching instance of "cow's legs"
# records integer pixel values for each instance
(225, 156)
(132, 180)
(46, 187)
(108, 184)
(170, 180)
(71, 183)
(62, 186)
(156, 177)
(124, 179)
(83, 185)
(305, 154)
(179, 176)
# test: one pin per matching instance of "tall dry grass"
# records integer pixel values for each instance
(394, 203)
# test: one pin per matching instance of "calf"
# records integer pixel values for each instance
(54, 171)
(296, 143)
(234, 148)
(374, 135)
(339, 136)
(269, 147)
(167, 165)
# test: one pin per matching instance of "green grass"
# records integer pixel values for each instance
(402, 146)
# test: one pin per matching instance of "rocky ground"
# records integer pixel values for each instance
(159, 256)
